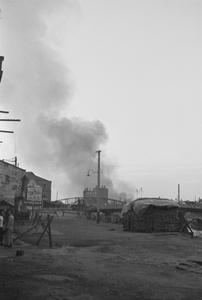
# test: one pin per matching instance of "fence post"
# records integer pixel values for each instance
(49, 231)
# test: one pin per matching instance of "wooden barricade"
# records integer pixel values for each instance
(37, 223)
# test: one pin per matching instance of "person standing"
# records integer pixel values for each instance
(9, 229)
(1, 227)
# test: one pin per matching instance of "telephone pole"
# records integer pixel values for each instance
(1, 61)
(178, 194)
(3, 111)
(98, 184)
(98, 187)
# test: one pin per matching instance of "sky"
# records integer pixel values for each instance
(123, 77)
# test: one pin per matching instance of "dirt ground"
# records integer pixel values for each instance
(90, 261)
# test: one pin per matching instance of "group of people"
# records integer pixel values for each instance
(6, 228)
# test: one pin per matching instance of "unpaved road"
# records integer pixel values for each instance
(91, 261)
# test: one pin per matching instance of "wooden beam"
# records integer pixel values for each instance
(10, 120)
(49, 232)
(6, 131)
(24, 233)
(45, 229)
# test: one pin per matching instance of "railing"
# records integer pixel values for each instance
(85, 199)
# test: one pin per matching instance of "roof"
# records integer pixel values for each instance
(6, 163)
(140, 205)
(5, 203)
(31, 175)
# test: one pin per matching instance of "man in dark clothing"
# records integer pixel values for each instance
(1, 226)
(9, 229)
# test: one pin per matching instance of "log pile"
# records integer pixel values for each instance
(154, 219)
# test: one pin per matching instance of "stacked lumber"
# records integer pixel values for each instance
(154, 219)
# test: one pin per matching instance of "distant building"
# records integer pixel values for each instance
(35, 190)
(10, 182)
(90, 195)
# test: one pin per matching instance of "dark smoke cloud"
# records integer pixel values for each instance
(38, 88)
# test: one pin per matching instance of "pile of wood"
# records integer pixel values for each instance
(154, 219)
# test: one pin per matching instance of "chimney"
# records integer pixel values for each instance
(16, 163)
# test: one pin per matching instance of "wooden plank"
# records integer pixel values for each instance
(24, 233)
(41, 223)
(49, 232)
(45, 229)
(55, 213)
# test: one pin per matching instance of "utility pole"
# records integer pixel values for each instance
(2, 111)
(178, 195)
(1, 61)
(98, 186)
(16, 161)
(141, 191)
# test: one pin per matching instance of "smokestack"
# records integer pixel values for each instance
(16, 163)
(178, 194)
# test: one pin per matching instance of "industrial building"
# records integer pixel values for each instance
(90, 195)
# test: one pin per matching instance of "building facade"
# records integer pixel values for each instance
(36, 190)
(10, 182)
(90, 195)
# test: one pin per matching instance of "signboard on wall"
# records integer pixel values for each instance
(34, 192)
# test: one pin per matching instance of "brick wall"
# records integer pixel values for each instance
(10, 182)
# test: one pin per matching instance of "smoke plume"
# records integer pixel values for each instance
(37, 86)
